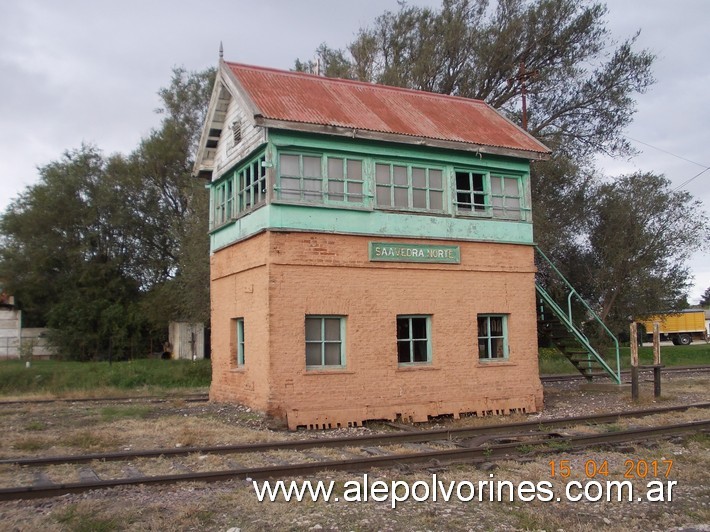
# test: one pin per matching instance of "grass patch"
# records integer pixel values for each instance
(31, 444)
(85, 520)
(88, 440)
(552, 361)
(558, 445)
(113, 413)
(62, 377)
(700, 438)
(35, 425)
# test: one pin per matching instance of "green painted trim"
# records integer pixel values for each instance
(321, 219)
(240, 228)
(360, 218)
(369, 148)
(397, 252)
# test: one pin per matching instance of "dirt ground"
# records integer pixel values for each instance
(80, 427)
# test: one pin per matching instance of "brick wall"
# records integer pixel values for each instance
(303, 273)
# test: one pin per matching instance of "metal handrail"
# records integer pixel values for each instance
(574, 293)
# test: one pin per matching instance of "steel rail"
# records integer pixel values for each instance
(190, 398)
(449, 456)
(353, 441)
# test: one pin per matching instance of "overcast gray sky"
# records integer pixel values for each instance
(88, 71)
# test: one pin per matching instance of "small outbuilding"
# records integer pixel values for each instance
(372, 251)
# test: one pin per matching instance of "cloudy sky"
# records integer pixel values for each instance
(88, 71)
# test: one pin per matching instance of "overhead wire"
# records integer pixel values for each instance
(705, 167)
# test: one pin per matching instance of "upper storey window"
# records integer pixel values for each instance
(483, 194)
(400, 185)
(320, 179)
(409, 187)
(239, 191)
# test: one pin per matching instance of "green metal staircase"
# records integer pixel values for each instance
(567, 320)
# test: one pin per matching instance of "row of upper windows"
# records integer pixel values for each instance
(324, 179)
(325, 340)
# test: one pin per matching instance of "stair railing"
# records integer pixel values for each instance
(571, 296)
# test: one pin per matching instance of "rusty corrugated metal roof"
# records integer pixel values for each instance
(309, 99)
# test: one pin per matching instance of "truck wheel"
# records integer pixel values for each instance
(684, 339)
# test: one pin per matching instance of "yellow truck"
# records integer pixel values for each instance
(680, 327)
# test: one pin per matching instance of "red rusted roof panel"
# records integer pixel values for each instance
(298, 97)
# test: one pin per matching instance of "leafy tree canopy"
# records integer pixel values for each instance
(105, 249)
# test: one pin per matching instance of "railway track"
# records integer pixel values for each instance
(308, 456)
(189, 398)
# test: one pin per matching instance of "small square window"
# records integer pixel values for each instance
(325, 342)
(413, 339)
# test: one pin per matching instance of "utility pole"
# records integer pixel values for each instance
(523, 76)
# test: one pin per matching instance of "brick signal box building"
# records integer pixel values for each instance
(372, 251)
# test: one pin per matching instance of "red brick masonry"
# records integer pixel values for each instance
(274, 279)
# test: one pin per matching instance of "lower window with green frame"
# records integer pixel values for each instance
(413, 339)
(492, 336)
(240, 341)
(325, 342)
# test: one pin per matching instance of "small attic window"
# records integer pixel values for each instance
(236, 132)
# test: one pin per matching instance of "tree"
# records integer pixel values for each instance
(105, 249)
(705, 298)
(174, 206)
(639, 235)
(65, 258)
(328, 62)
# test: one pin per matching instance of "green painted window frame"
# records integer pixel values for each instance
(331, 181)
(501, 197)
(492, 341)
(319, 344)
(240, 191)
(481, 197)
(404, 188)
(409, 346)
(240, 341)
(473, 199)
(251, 190)
(342, 186)
(220, 205)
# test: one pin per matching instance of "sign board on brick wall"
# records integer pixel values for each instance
(395, 252)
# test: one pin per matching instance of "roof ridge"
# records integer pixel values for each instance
(365, 84)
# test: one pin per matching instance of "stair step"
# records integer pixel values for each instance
(596, 374)
(576, 361)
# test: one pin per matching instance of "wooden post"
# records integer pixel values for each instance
(656, 360)
(656, 344)
(633, 343)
